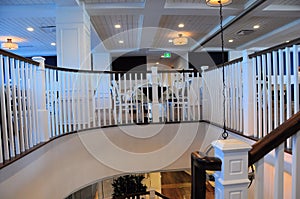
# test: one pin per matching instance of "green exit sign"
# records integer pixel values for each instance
(167, 55)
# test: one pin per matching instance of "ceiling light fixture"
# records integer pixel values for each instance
(121, 42)
(170, 40)
(53, 44)
(30, 29)
(218, 2)
(117, 26)
(221, 3)
(179, 41)
(9, 45)
(181, 25)
(256, 26)
(230, 40)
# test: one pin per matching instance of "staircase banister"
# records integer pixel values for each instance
(274, 138)
(206, 162)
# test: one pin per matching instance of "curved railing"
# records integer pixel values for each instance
(40, 102)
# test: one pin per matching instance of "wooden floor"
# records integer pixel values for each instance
(177, 185)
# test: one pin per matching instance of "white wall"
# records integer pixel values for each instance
(66, 164)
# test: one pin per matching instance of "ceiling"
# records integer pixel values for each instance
(148, 25)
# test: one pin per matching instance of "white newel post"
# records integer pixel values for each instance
(232, 181)
(41, 101)
(155, 104)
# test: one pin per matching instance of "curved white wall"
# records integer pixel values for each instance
(74, 161)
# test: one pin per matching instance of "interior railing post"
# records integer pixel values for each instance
(199, 164)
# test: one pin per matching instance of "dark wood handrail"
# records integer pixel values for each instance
(114, 72)
(274, 139)
(12, 55)
(280, 46)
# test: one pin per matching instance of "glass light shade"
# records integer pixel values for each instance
(218, 2)
(9, 45)
(179, 41)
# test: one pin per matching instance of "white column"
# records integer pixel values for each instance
(73, 43)
(43, 124)
(248, 92)
(155, 104)
(232, 180)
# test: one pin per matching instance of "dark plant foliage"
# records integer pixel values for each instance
(128, 184)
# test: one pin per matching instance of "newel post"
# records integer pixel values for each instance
(232, 181)
(43, 124)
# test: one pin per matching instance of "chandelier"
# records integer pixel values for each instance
(218, 2)
(9, 45)
(180, 40)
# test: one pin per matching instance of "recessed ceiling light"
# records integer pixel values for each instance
(230, 40)
(181, 25)
(256, 26)
(30, 29)
(157, 63)
(117, 26)
(287, 41)
(170, 40)
(53, 44)
(121, 42)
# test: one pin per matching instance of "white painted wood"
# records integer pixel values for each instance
(259, 95)
(296, 77)
(241, 128)
(275, 83)
(199, 95)
(264, 96)
(4, 124)
(279, 170)
(142, 99)
(60, 101)
(227, 96)
(69, 102)
(120, 119)
(188, 103)
(8, 108)
(255, 97)
(20, 105)
(24, 106)
(148, 102)
(93, 82)
(296, 166)
(136, 98)
(174, 90)
(233, 177)
(77, 100)
(259, 179)
(34, 104)
(29, 106)
(288, 89)
(269, 94)
(281, 87)
(16, 131)
(131, 97)
(64, 101)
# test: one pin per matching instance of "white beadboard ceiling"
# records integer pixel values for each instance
(148, 25)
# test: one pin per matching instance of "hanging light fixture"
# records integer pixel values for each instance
(221, 3)
(218, 2)
(9, 45)
(180, 40)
